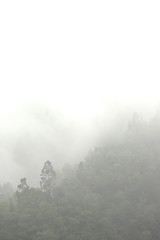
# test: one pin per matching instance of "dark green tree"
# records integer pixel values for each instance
(48, 177)
(23, 185)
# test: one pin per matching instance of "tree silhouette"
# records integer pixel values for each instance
(48, 177)
(23, 185)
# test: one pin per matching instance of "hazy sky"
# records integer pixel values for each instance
(83, 59)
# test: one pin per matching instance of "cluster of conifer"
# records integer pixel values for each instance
(114, 194)
(47, 183)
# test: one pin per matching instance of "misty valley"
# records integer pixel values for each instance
(113, 194)
(79, 120)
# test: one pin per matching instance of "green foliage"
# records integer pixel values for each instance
(23, 185)
(113, 195)
(48, 177)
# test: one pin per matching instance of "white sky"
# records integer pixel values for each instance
(79, 57)
(79, 54)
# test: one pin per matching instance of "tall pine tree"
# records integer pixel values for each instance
(48, 177)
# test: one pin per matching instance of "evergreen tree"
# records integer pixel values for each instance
(23, 185)
(48, 177)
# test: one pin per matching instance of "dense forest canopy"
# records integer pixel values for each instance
(114, 194)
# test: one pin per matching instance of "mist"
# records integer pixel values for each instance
(80, 105)
(35, 132)
(71, 76)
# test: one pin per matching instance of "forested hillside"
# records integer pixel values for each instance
(114, 194)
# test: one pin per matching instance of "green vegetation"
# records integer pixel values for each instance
(113, 195)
